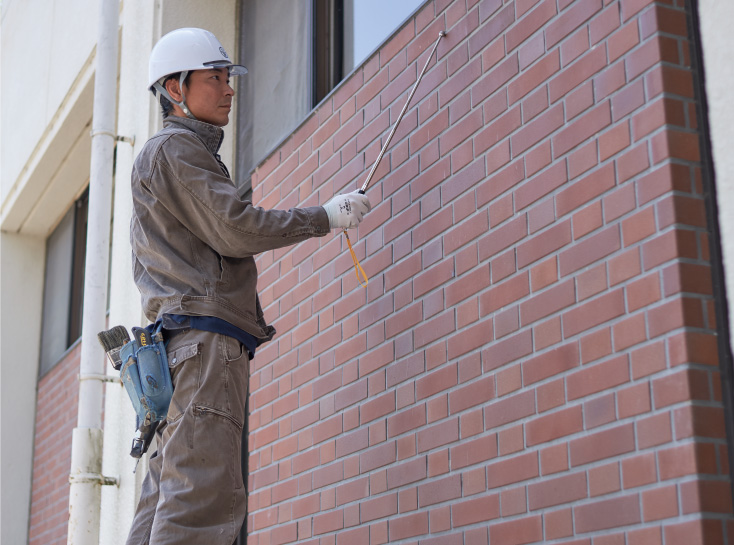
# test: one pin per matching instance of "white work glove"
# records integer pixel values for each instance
(346, 211)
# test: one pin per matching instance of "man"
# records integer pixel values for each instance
(193, 242)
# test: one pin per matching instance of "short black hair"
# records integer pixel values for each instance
(166, 106)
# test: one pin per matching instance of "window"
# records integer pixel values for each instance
(346, 32)
(64, 284)
(296, 52)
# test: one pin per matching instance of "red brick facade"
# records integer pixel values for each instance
(56, 415)
(534, 359)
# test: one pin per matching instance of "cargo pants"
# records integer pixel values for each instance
(194, 491)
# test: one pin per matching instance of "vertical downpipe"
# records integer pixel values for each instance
(86, 451)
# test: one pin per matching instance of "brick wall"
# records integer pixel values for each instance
(534, 359)
(56, 414)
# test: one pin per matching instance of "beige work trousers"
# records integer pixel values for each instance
(194, 493)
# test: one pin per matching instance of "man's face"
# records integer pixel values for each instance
(208, 95)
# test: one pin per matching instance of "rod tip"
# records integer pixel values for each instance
(442, 33)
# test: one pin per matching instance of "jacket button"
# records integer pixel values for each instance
(174, 360)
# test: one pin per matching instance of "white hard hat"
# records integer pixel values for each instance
(183, 50)
(188, 49)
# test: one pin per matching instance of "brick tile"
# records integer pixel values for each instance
(476, 510)
(554, 459)
(408, 526)
(684, 385)
(634, 400)
(544, 274)
(584, 253)
(537, 130)
(473, 452)
(550, 363)
(570, 19)
(551, 395)
(602, 445)
(553, 426)
(591, 282)
(533, 77)
(495, 79)
(558, 524)
(497, 130)
(697, 532)
(510, 440)
(496, 185)
(407, 420)
(583, 128)
(507, 350)
(540, 186)
(597, 378)
(691, 347)
(645, 536)
(575, 45)
(509, 409)
(660, 503)
(551, 492)
(406, 472)
(470, 338)
(585, 190)
(639, 470)
(577, 72)
(438, 435)
(705, 496)
(544, 243)
(607, 514)
(599, 411)
(516, 532)
(475, 393)
(504, 293)
(604, 479)
(593, 313)
(439, 491)
(538, 158)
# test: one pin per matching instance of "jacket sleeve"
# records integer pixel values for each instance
(187, 180)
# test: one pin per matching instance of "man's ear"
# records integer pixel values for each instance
(174, 89)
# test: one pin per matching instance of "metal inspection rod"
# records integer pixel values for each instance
(400, 117)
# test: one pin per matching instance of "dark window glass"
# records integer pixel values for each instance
(64, 285)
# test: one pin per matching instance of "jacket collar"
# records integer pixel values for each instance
(211, 135)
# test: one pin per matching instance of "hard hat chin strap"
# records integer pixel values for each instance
(164, 92)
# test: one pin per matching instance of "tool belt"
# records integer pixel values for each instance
(144, 371)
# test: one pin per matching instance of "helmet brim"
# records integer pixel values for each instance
(234, 69)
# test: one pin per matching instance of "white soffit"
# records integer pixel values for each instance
(58, 169)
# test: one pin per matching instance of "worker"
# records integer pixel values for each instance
(193, 241)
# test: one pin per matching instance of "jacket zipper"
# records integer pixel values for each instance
(198, 409)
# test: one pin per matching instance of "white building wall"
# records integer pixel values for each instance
(21, 291)
(716, 17)
(45, 47)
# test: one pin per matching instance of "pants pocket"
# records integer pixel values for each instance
(216, 429)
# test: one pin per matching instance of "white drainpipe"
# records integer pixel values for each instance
(86, 452)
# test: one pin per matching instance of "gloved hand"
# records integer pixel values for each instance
(346, 211)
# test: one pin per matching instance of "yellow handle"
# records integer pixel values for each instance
(357, 267)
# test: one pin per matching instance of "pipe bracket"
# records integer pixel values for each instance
(102, 378)
(94, 478)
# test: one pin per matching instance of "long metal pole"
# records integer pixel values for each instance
(400, 117)
(86, 446)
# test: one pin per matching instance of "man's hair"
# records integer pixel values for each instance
(166, 106)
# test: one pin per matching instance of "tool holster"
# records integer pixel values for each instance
(147, 379)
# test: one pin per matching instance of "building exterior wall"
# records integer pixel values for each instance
(534, 358)
(21, 296)
(716, 44)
